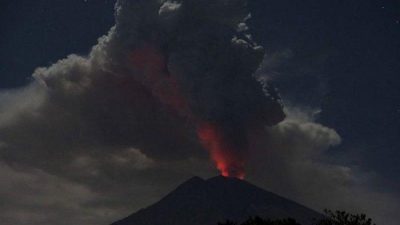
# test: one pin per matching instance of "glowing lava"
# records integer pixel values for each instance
(222, 151)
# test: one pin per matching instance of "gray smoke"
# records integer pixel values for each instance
(163, 69)
(97, 137)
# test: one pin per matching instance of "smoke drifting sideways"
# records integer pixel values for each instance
(189, 60)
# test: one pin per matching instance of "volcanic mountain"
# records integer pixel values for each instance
(207, 202)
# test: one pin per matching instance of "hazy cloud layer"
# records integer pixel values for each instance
(94, 138)
(290, 161)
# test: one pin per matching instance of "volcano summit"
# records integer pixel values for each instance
(207, 202)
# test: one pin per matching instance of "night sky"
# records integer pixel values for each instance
(351, 48)
(337, 58)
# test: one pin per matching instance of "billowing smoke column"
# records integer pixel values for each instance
(196, 57)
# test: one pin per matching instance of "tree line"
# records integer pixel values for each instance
(330, 218)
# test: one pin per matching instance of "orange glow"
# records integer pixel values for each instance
(150, 65)
(221, 150)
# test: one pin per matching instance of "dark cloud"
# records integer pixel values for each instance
(111, 132)
(163, 70)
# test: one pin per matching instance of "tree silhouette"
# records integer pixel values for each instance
(228, 222)
(331, 218)
(343, 218)
(260, 221)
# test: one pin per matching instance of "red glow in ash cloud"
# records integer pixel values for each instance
(209, 100)
(221, 150)
(149, 61)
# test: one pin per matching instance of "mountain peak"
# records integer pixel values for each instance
(206, 202)
(192, 181)
(223, 178)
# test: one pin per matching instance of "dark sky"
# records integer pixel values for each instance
(341, 56)
(358, 43)
(38, 33)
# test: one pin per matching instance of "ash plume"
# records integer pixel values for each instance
(196, 57)
(132, 118)
(167, 70)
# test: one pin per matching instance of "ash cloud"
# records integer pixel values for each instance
(163, 69)
(117, 128)
(289, 160)
(126, 113)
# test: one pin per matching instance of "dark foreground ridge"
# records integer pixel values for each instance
(206, 202)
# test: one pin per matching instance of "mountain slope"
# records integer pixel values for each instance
(205, 202)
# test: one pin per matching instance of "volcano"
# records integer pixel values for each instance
(207, 202)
